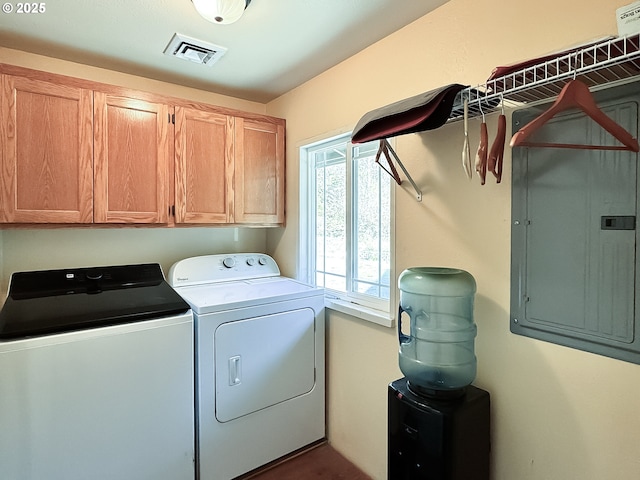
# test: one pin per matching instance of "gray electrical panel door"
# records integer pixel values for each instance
(574, 268)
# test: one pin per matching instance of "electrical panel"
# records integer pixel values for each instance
(574, 266)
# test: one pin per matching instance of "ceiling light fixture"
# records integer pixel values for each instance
(221, 11)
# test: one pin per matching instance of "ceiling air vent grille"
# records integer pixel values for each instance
(193, 50)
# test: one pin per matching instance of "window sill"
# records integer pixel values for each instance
(359, 311)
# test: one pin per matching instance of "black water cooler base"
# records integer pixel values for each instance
(434, 439)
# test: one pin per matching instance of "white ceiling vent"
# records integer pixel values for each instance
(194, 50)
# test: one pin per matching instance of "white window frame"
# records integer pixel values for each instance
(376, 310)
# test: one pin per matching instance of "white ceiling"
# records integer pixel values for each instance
(276, 45)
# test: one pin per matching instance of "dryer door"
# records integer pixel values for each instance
(263, 361)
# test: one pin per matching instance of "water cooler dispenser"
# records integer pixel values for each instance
(438, 424)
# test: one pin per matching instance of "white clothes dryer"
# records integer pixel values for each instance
(260, 361)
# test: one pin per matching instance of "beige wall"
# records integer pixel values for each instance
(557, 413)
(78, 70)
(42, 249)
(73, 247)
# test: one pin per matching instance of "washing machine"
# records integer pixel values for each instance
(260, 361)
(96, 376)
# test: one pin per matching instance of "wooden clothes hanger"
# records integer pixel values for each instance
(496, 154)
(575, 94)
(482, 153)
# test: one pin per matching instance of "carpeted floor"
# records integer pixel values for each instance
(319, 463)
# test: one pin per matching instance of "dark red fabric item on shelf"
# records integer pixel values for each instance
(516, 67)
(426, 111)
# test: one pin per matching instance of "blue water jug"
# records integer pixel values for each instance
(438, 354)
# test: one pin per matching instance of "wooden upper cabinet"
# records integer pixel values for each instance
(47, 152)
(204, 166)
(259, 172)
(132, 154)
(82, 152)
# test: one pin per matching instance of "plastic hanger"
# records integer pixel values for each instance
(481, 154)
(496, 155)
(466, 149)
(575, 94)
(383, 151)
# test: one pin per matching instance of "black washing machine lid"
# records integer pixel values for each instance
(55, 301)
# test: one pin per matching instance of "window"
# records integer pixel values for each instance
(346, 242)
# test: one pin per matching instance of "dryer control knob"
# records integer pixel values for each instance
(262, 261)
(251, 261)
(229, 262)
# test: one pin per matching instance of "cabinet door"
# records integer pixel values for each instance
(259, 172)
(204, 166)
(47, 152)
(132, 154)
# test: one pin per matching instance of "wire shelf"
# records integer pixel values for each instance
(603, 64)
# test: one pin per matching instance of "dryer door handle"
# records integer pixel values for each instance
(235, 370)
